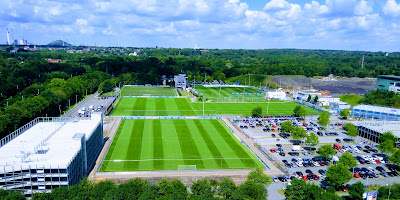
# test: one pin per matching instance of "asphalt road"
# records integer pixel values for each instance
(102, 102)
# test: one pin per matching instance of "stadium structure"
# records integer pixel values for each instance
(376, 112)
(48, 153)
(373, 130)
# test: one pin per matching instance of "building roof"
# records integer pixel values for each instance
(391, 77)
(381, 126)
(379, 109)
(61, 147)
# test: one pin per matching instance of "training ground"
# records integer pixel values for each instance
(147, 91)
(130, 106)
(176, 144)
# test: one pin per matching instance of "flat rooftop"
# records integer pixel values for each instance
(379, 109)
(381, 126)
(60, 148)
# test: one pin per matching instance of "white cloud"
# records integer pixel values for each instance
(362, 8)
(392, 8)
(276, 5)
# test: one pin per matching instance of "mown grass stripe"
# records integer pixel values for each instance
(140, 104)
(188, 146)
(211, 146)
(160, 105)
(184, 107)
(135, 145)
(236, 148)
(158, 152)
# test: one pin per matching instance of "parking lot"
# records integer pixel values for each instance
(89, 105)
(306, 163)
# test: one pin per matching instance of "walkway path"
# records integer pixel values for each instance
(109, 134)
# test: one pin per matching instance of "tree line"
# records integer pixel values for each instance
(253, 188)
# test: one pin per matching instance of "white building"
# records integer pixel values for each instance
(326, 100)
(180, 81)
(376, 112)
(339, 105)
(48, 153)
(372, 130)
(395, 87)
(279, 95)
(303, 94)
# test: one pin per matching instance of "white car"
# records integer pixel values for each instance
(316, 164)
(299, 164)
(275, 179)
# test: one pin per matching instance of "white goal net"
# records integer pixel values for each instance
(186, 167)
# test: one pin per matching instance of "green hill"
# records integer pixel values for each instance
(60, 43)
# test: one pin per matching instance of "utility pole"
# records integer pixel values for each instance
(205, 78)
(69, 103)
(203, 104)
(76, 98)
(243, 92)
(249, 79)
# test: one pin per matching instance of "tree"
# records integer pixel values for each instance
(172, 189)
(387, 141)
(297, 190)
(312, 139)
(254, 190)
(302, 113)
(348, 160)
(287, 127)
(324, 119)
(316, 99)
(309, 98)
(202, 189)
(299, 111)
(256, 112)
(299, 133)
(395, 157)
(345, 113)
(356, 191)
(106, 86)
(326, 151)
(386, 146)
(259, 176)
(100, 189)
(387, 136)
(338, 174)
(351, 129)
(226, 188)
(219, 76)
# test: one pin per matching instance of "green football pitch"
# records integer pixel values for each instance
(147, 91)
(129, 106)
(217, 92)
(172, 144)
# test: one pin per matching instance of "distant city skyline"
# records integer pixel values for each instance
(367, 25)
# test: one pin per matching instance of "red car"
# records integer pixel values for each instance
(356, 175)
(274, 126)
(305, 178)
(315, 177)
(322, 163)
(378, 161)
(344, 188)
(272, 129)
(272, 150)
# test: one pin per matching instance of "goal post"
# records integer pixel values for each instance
(186, 167)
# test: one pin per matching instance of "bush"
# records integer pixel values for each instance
(179, 92)
(256, 112)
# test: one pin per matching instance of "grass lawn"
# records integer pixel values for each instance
(164, 144)
(214, 92)
(351, 99)
(128, 106)
(147, 91)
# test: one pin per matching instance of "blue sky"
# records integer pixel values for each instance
(370, 25)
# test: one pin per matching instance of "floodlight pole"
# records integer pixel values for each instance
(219, 89)
(203, 104)
(268, 106)
(244, 88)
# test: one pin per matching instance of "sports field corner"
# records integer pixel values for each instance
(176, 144)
